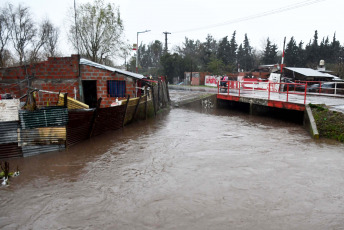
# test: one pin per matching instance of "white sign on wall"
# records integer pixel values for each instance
(211, 80)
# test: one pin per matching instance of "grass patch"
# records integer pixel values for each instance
(330, 124)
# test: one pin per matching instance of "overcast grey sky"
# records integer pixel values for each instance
(197, 18)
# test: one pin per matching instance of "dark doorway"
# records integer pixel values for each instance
(90, 93)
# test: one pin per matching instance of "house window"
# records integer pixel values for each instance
(116, 88)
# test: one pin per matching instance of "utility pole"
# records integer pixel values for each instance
(166, 33)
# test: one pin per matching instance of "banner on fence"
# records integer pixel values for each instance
(211, 80)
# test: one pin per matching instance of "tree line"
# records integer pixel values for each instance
(227, 56)
(96, 33)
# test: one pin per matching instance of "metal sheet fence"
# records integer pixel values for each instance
(9, 139)
(108, 119)
(9, 132)
(10, 150)
(43, 136)
(46, 117)
(9, 110)
(32, 150)
(79, 125)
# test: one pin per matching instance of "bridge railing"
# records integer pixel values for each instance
(240, 87)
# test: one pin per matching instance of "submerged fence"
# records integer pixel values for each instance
(9, 126)
(27, 133)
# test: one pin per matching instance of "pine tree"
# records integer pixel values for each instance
(292, 53)
(248, 57)
(233, 46)
(224, 50)
(241, 57)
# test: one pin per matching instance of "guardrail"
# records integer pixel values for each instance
(237, 87)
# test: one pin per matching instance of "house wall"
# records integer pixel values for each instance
(56, 74)
(102, 76)
(59, 74)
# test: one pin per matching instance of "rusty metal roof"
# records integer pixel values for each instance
(112, 69)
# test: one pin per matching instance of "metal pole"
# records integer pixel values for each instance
(137, 53)
(137, 49)
(335, 88)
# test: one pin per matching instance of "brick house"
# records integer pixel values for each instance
(80, 78)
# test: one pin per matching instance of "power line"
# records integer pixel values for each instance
(259, 15)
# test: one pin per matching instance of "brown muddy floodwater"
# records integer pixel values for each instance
(187, 169)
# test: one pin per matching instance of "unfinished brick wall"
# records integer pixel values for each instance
(56, 74)
(102, 76)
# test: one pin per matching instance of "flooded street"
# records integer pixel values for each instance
(187, 169)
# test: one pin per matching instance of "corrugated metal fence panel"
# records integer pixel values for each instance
(10, 150)
(46, 117)
(43, 136)
(9, 110)
(79, 124)
(29, 150)
(9, 132)
(109, 119)
(131, 109)
(9, 140)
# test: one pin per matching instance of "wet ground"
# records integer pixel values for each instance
(187, 169)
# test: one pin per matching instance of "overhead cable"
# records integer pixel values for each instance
(259, 15)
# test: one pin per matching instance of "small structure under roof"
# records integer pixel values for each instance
(307, 74)
(112, 69)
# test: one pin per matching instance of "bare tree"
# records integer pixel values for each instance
(23, 29)
(99, 31)
(39, 40)
(52, 37)
(5, 31)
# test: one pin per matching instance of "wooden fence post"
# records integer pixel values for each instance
(136, 108)
(153, 98)
(94, 118)
(65, 100)
(159, 87)
(125, 113)
(146, 107)
(168, 93)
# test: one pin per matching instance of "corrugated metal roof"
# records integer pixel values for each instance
(46, 117)
(99, 66)
(9, 109)
(308, 72)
